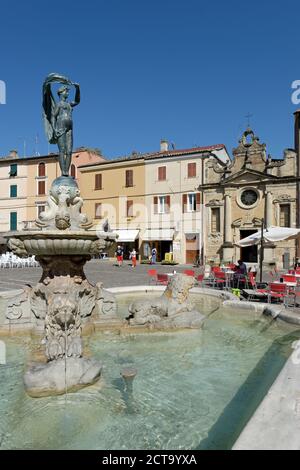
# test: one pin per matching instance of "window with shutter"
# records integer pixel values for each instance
(42, 169)
(163, 204)
(129, 178)
(155, 204)
(191, 202)
(73, 171)
(98, 181)
(98, 210)
(198, 202)
(192, 170)
(285, 215)
(13, 221)
(184, 203)
(13, 170)
(41, 188)
(168, 203)
(13, 190)
(215, 220)
(162, 173)
(129, 209)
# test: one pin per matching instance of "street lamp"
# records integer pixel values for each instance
(263, 226)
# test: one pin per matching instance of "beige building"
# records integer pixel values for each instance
(174, 208)
(13, 196)
(237, 196)
(25, 183)
(114, 190)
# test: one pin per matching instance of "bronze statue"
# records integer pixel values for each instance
(58, 118)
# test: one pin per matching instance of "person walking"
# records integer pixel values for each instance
(153, 255)
(133, 258)
(119, 255)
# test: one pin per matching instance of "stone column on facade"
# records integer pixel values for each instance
(269, 209)
(227, 245)
(227, 219)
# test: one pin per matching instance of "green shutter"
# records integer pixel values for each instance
(13, 190)
(13, 221)
(13, 169)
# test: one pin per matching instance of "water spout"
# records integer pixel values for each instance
(128, 374)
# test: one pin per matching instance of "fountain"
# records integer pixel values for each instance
(63, 300)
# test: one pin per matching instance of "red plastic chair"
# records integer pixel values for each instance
(277, 291)
(220, 278)
(231, 266)
(200, 279)
(152, 273)
(289, 278)
(162, 279)
(189, 272)
(216, 269)
(252, 285)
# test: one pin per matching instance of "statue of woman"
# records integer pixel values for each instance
(58, 118)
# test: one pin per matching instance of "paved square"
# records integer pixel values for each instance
(104, 271)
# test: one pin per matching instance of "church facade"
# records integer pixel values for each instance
(254, 189)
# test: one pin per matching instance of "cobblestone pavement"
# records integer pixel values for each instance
(105, 271)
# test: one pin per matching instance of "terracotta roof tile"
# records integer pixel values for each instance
(152, 155)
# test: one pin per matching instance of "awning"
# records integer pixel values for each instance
(272, 234)
(127, 235)
(157, 234)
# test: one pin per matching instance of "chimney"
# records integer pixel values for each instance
(13, 154)
(164, 145)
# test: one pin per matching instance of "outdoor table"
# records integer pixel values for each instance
(228, 278)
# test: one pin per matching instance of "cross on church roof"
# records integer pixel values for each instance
(248, 116)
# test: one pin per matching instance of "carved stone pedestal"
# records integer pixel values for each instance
(63, 300)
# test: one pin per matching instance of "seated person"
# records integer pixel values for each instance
(297, 264)
(240, 272)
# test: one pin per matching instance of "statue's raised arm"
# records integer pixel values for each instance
(58, 117)
(77, 95)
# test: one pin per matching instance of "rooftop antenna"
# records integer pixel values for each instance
(37, 153)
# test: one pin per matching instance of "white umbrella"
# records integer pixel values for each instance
(272, 234)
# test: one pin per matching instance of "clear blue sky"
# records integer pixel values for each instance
(185, 70)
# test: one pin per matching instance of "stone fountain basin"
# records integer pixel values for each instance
(66, 242)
